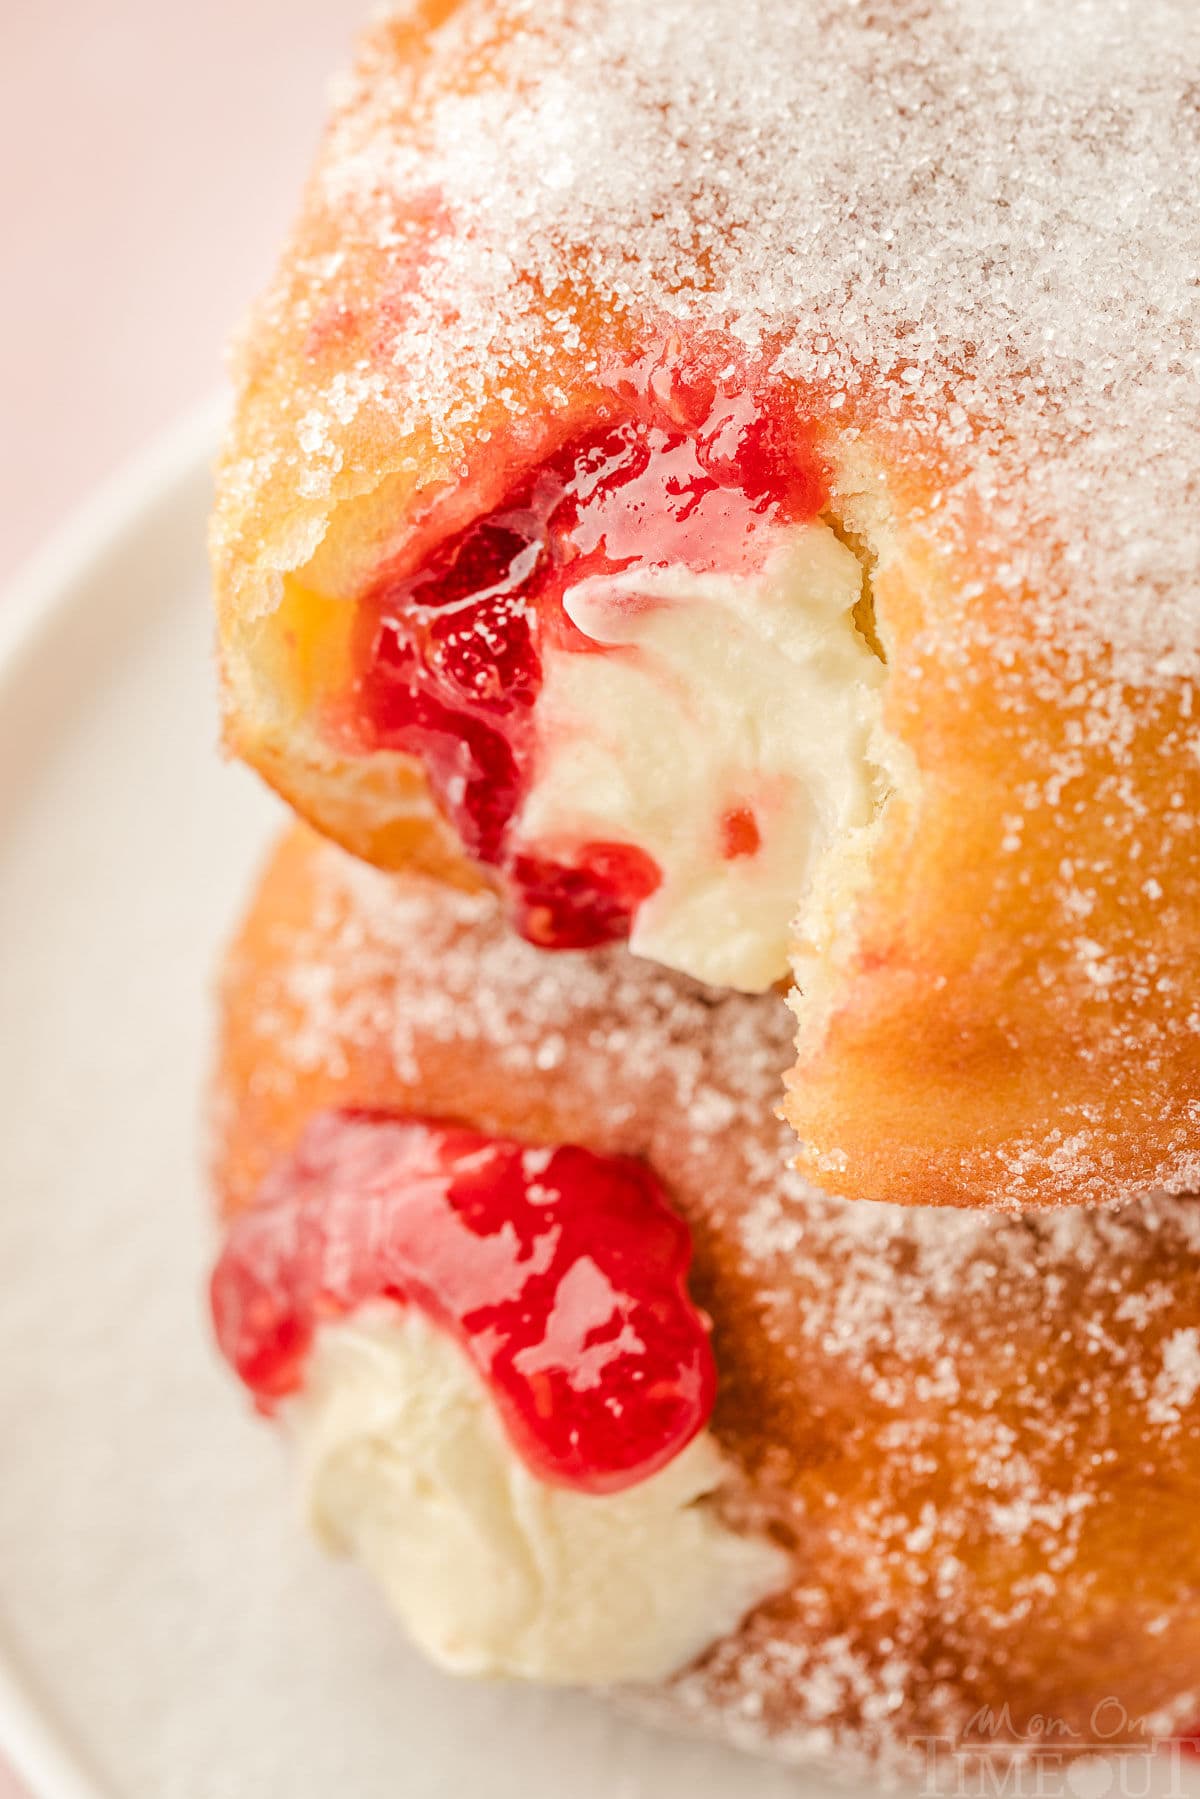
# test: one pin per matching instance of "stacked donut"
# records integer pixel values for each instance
(706, 1122)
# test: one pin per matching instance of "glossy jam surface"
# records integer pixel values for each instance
(561, 1273)
(449, 657)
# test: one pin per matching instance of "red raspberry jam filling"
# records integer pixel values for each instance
(561, 1273)
(449, 657)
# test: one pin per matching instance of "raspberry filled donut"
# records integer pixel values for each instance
(733, 472)
(602, 1393)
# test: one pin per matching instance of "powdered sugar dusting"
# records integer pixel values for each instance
(983, 216)
(1179, 1381)
(952, 1396)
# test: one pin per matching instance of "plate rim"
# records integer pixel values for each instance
(42, 584)
(44, 589)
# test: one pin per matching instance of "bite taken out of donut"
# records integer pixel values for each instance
(602, 1393)
(755, 520)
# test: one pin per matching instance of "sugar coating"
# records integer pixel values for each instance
(999, 1376)
(985, 214)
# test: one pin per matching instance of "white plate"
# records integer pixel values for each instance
(165, 1628)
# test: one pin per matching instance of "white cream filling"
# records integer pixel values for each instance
(493, 1571)
(715, 694)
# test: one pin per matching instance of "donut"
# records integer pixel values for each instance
(733, 471)
(512, 1247)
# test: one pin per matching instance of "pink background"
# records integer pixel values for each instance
(149, 157)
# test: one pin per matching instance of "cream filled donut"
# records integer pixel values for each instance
(734, 471)
(600, 1392)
